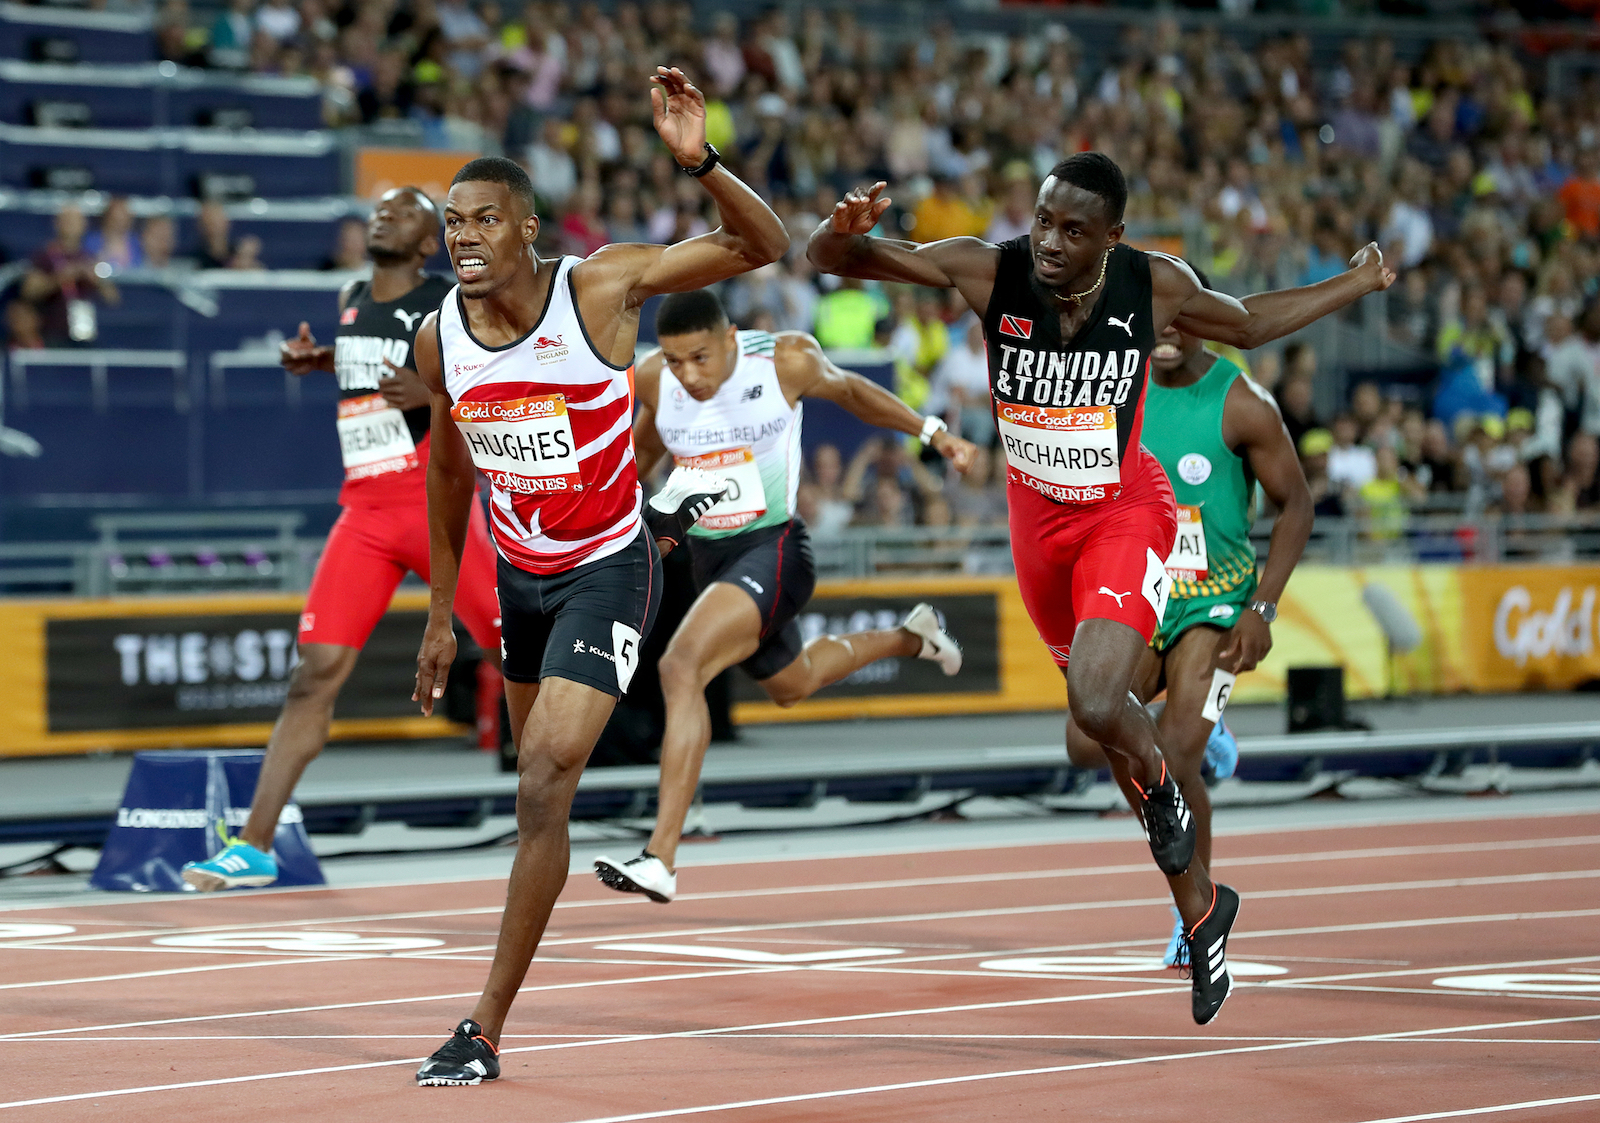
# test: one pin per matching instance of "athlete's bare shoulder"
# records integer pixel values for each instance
(1250, 415)
(799, 361)
(426, 352)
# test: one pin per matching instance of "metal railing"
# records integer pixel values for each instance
(230, 552)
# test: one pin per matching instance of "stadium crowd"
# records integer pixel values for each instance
(1482, 186)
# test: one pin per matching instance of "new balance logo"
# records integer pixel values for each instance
(1125, 325)
(751, 582)
(1016, 326)
(1117, 596)
(750, 394)
(409, 319)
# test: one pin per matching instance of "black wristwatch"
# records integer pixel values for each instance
(713, 158)
(1267, 609)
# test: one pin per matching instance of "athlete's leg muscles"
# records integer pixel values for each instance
(298, 735)
(1083, 750)
(721, 628)
(1183, 731)
(1104, 656)
(561, 723)
(827, 659)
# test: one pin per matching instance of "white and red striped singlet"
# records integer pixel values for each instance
(549, 421)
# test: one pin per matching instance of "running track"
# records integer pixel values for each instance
(1445, 971)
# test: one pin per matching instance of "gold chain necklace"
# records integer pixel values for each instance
(1077, 297)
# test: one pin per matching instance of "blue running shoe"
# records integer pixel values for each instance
(1222, 751)
(238, 864)
(1177, 953)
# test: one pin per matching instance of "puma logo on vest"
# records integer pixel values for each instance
(409, 319)
(1125, 325)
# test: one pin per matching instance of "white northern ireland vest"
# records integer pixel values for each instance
(549, 421)
(747, 433)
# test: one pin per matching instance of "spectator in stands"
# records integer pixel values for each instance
(465, 34)
(1015, 216)
(279, 19)
(1473, 337)
(64, 285)
(231, 35)
(834, 509)
(1580, 195)
(1440, 469)
(878, 471)
(1350, 464)
(115, 243)
(582, 231)
(977, 496)
(956, 208)
(23, 327)
(216, 242)
(847, 317)
(1569, 365)
(1327, 498)
(1579, 489)
(158, 239)
(349, 247)
(960, 391)
(551, 167)
(246, 254)
(1297, 391)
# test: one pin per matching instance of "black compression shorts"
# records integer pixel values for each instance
(775, 569)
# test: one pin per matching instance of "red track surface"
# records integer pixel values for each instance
(104, 1022)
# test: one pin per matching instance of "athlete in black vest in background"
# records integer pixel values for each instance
(383, 420)
(1070, 315)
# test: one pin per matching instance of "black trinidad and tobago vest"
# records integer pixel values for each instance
(1069, 411)
(380, 445)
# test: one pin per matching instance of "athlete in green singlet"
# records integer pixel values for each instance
(1217, 434)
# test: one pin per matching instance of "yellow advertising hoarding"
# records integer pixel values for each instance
(84, 675)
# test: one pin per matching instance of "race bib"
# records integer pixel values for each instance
(1060, 448)
(374, 439)
(746, 498)
(524, 445)
(1217, 696)
(1187, 561)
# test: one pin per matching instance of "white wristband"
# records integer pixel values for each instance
(932, 425)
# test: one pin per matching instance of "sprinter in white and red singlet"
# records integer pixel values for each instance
(530, 363)
(1070, 315)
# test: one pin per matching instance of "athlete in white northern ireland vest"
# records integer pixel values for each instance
(530, 363)
(382, 531)
(729, 402)
(1070, 315)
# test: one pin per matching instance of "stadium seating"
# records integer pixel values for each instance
(57, 35)
(145, 95)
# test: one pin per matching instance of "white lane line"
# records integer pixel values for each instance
(722, 1032)
(1463, 1112)
(420, 998)
(277, 962)
(616, 900)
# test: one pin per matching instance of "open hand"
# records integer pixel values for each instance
(403, 388)
(859, 211)
(679, 111)
(433, 664)
(1247, 644)
(1369, 260)
(301, 355)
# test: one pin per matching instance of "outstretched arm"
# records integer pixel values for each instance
(1180, 299)
(451, 492)
(843, 245)
(748, 236)
(648, 448)
(1251, 422)
(804, 370)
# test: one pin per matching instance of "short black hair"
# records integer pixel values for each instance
(1097, 174)
(497, 169)
(424, 200)
(1200, 274)
(684, 312)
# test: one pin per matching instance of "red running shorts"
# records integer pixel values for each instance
(369, 551)
(1094, 561)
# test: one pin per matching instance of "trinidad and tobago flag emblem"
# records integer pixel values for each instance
(1015, 325)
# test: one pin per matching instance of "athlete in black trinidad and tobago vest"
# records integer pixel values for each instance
(1070, 316)
(383, 530)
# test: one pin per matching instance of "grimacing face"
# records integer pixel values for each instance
(1071, 232)
(701, 360)
(1173, 348)
(487, 231)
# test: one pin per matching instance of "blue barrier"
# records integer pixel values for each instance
(170, 813)
(55, 34)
